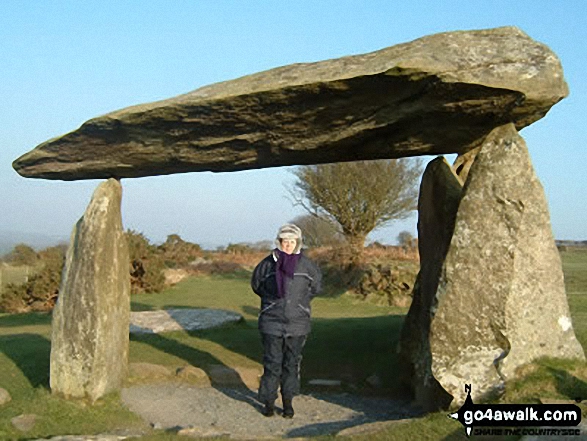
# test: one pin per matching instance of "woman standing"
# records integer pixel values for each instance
(286, 281)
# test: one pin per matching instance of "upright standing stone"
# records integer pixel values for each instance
(440, 193)
(89, 345)
(501, 299)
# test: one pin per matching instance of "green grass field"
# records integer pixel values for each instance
(350, 341)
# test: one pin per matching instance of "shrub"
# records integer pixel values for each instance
(238, 248)
(22, 254)
(146, 264)
(178, 253)
(386, 276)
(40, 291)
(216, 267)
(387, 284)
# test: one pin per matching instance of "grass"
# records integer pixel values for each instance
(350, 341)
(340, 326)
(575, 270)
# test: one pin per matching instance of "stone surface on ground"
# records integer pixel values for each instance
(192, 373)
(237, 412)
(438, 202)
(173, 276)
(25, 422)
(154, 322)
(90, 339)
(4, 396)
(439, 94)
(501, 300)
(143, 370)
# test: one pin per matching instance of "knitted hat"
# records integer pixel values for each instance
(290, 231)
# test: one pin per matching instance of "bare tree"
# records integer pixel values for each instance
(405, 239)
(359, 196)
(319, 231)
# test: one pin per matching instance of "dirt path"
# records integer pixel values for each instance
(236, 412)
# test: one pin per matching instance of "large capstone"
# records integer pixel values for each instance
(90, 335)
(439, 94)
(438, 202)
(501, 299)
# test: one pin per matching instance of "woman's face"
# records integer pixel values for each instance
(288, 245)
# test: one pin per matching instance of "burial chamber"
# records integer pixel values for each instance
(465, 92)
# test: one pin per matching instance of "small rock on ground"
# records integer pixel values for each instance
(24, 422)
(235, 412)
(148, 370)
(4, 397)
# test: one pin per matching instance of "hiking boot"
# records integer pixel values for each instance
(288, 411)
(269, 409)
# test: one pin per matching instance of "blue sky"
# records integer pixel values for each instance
(64, 62)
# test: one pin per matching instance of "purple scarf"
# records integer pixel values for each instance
(285, 267)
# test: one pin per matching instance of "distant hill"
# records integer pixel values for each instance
(8, 239)
(571, 243)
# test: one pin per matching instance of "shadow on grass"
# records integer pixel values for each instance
(346, 349)
(26, 319)
(569, 385)
(31, 353)
(349, 349)
(250, 310)
(140, 307)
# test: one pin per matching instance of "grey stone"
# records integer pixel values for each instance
(192, 373)
(438, 202)
(154, 322)
(25, 422)
(90, 339)
(148, 371)
(4, 397)
(173, 275)
(501, 299)
(221, 375)
(439, 94)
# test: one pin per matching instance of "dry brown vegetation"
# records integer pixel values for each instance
(385, 275)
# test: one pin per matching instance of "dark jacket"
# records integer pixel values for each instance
(289, 315)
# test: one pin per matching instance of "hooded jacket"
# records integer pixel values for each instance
(290, 315)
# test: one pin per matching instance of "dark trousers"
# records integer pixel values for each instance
(282, 357)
